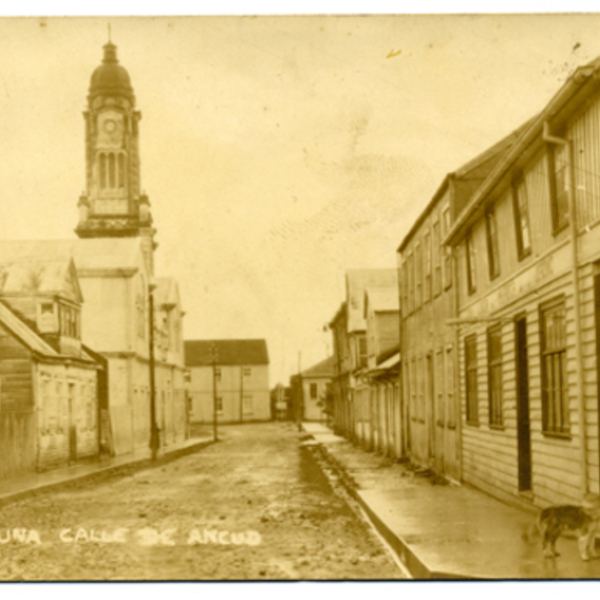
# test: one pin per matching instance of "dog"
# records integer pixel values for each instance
(583, 520)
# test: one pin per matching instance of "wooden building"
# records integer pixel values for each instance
(382, 316)
(527, 248)
(315, 383)
(428, 342)
(49, 412)
(241, 371)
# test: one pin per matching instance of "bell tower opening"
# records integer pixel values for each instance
(112, 205)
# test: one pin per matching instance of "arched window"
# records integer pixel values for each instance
(102, 160)
(121, 170)
(111, 170)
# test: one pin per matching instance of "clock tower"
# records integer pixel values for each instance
(113, 205)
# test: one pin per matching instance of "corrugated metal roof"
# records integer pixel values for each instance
(357, 281)
(230, 352)
(325, 368)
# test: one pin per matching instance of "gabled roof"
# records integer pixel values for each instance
(357, 281)
(88, 254)
(466, 179)
(24, 272)
(24, 333)
(584, 82)
(229, 352)
(325, 368)
(382, 299)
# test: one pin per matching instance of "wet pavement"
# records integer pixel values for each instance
(448, 531)
(254, 506)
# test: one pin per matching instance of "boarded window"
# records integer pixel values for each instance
(494, 339)
(555, 408)
(559, 185)
(491, 229)
(521, 211)
(471, 379)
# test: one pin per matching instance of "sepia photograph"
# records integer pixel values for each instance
(330, 311)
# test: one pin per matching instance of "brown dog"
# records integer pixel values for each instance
(583, 520)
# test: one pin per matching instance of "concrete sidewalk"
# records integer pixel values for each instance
(446, 531)
(22, 487)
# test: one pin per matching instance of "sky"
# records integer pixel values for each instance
(277, 152)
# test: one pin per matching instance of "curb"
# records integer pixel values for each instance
(103, 472)
(415, 566)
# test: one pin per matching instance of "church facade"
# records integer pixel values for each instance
(138, 350)
(114, 258)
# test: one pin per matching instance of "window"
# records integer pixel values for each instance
(102, 163)
(404, 286)
(494, 341)
(446, 251)
(440, 408)
(219, 403)
(411, 282)
(555, 396)
(218, 373)
(470, 252)
(247, 371)
(313, 390)
(362, 351)
(121, 170)
(471, 379)
(491, 229)
(247, 404)
(69, 321)
(521, 211)
(437, 255)
(451, 422)
(111, 170)
(418, 276)
(559, 186)
(427, 266)
(421, 383)
(413, 387)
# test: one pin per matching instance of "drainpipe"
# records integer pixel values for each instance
(551, 139)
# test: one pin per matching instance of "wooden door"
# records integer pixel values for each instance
(72, 424)
(523, 424)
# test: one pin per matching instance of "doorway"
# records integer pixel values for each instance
(523, 424)
(72, 425)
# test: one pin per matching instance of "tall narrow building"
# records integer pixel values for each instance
(113, 205)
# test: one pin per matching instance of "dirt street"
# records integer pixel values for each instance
(254, 506)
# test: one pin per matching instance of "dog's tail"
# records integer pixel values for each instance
(532, 532)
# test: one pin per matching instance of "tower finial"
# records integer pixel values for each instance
(109, 40)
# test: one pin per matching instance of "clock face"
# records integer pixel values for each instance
(110, 125)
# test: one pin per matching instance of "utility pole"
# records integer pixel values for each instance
(241, 393)
(300, 397)
(214, 356)
(154, 436)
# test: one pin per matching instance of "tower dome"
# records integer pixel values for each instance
(110, 78)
